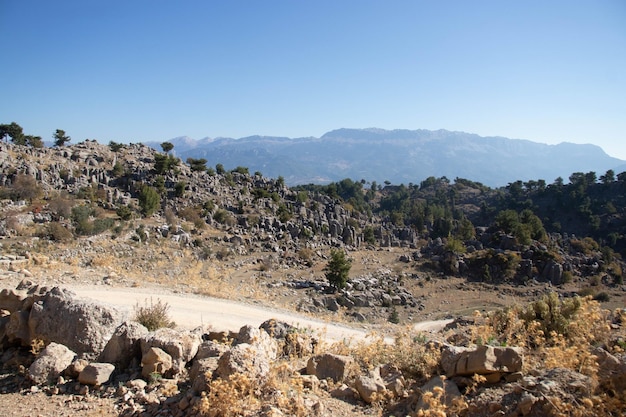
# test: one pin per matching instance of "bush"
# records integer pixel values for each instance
(57, 232)
(153, 316)
(124, 212)
(149, 200)
(25, 187)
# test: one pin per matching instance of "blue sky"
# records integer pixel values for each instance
(137, 70)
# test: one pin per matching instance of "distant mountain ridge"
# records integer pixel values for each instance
(398, 156)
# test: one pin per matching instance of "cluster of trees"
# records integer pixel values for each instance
(16, 133)
(588, 205)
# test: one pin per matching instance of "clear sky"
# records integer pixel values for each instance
(144, 70)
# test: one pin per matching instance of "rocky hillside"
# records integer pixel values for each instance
(538, 315)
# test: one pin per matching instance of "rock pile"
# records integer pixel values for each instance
(169, 371)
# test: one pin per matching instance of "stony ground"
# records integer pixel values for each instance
(257, 279)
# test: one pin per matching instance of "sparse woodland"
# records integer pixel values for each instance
(549, 252)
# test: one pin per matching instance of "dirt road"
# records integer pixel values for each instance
(190, 311)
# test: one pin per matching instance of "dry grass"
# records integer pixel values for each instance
(154, 315)
(241, 395)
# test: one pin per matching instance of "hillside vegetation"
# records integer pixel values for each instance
(549, 254)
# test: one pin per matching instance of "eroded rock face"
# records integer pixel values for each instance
(83, 326)
(52, 361)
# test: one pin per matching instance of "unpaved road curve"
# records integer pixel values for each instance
(190, 311)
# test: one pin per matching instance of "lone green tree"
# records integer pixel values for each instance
(337, 269)
(60, 138)
(149, 200)
(167, 146)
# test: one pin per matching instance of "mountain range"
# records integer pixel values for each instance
(398, 156)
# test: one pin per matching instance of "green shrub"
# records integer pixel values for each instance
(149, 200)
(124, 212)
(552, 314)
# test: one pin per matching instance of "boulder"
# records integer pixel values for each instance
(155, 360)
(482, 360)
(369, 388)
(328, 365)
(244, 359)
(201, 373)
(611, 370)
(96, 373)
(50, 363)
(124, 345)
(87, 325)
(181, 346)
(259, 338)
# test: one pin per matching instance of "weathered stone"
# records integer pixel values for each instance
(50, 363)
(328, 365)
(482, 360)
(124, 345)
(210, 349)
(244, 359)
(87, 325)
(76, 367)
(259, 338)
(369, 388)
(201, 373)
(181, 346)
(96, 373)
(611, 370)
(155, 361)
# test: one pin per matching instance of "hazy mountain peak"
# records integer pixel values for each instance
(399, 155)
